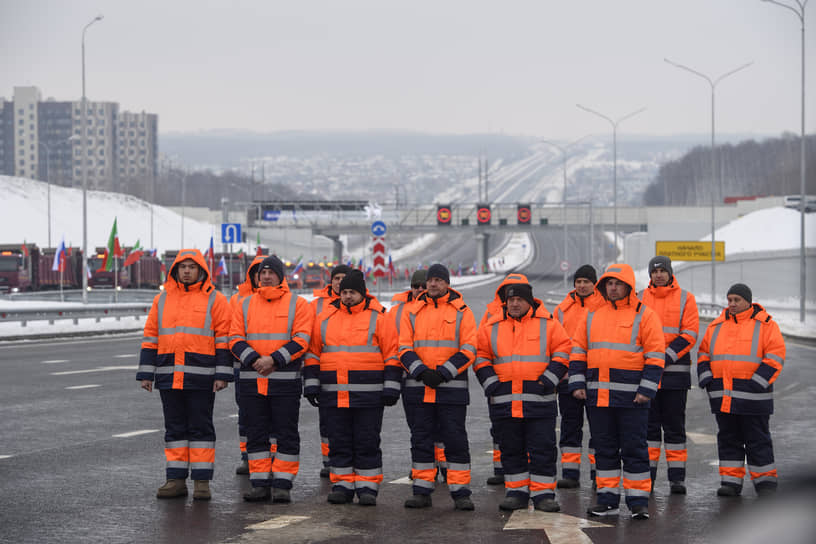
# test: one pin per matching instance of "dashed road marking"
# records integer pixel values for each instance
(135, 433)
(558, 527)
(232, 415)
(125, 356)
(89, 386)
(6, 456)
(55, 361)
(97, 369)
(403, 480)
(714, 463)
(702, 438)
(278, 522)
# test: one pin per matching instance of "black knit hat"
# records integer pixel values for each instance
(354, 280)
(522, 290)
(742, 290)
(587, 272)
(439, 271)
(274, 264)
(419, 277)
(660, 261)
(340, 269)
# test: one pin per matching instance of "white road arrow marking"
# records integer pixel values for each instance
(278, 522)
(5, 456)
(403, 480)
(702, 438)
(558, 527)
(97, 369)
(135, 433)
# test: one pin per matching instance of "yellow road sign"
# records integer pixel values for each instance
(690, 251)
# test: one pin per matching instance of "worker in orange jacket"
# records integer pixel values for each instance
(270, 335)
(677, 309)
(246, 288)
(522, 354)
(322, 298)
(570, 313)
(616, 365)
(739, 360)
(184, 351)
(494, 308)
(437, 343)
(352, 371)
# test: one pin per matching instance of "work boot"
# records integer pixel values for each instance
(496, 479)
(367, 499)
(281, 495)
(418, 501)
(201, 490)
(603, 510)
(512, 502)
(243, 468)
(173, 487)
(568, 483)
(547, 505)
(677, 488)
(640, 511)
(324, 472)
(338, 497)
(728, 491)
(463, 503)
(257, 494)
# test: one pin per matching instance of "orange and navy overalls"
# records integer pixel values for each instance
(519, 364)
(272, 321)
(570, 313)
(184, 350)
(739, 359)
(352, 365)
(677, 309)
(617, 352)
(322, 298)
(438, 334)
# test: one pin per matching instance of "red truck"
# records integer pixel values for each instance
(16, 268)
(104, 279)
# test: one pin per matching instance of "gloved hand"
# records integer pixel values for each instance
(312, 400)
(279, 361)
(389, 400)
(431, 378)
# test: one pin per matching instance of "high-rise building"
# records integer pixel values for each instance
(43, 140)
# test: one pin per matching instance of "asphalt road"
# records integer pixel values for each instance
(81, 458)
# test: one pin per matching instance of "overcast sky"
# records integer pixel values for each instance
(456, 66)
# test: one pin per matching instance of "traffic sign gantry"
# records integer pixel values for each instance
(378, 228)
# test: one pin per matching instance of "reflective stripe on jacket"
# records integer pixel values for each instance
(438, 334)
(272, 320)
(571, 313)
(520, 362)
(619, 350)
(352, 360)
(677, 309)
(186, 333)
(739, 359)
(323, 297)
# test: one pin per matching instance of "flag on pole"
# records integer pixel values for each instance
(113, 248)
(298, 266)
(59, 258)
(211, 255)
(258, 244)
(25, 248)
(222, 267)
(391, 271)
(134, 255)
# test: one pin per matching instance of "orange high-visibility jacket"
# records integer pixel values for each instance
(272, 321)
(496, 306)
(186, 333)
(677, 309)
(618, 350)
(322, 298)
(519, 362)
(352, 360)
(739, 359)
(244, 290)
(571, 312)
(438, 334)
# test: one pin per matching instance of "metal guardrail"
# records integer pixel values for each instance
(74, 312)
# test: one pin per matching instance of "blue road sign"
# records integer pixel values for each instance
(378, 228)
(230, 233)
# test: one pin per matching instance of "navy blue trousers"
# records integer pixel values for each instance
(528, 455)
(667, 425)
(355, 456)
(241, 416)
(745, 436)
(572, 436)
(268, 418)
(188, 422)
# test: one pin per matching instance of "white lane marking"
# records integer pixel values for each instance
(278, 522)
(89, 386)
(135, 433)
(54, 361)
(233, 415)
(97, 369)
(125, 356)
(558, 527)
(6, 456)
(403, 480)
(702, 438)
(714, 463)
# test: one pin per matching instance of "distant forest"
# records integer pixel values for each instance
(750, 168)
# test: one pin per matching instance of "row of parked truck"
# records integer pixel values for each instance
(26, 267)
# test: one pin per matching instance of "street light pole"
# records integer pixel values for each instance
(802, 262)
(48, 185)
(85, 171)
(715, 179)
(614, 162)
(563, 150)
